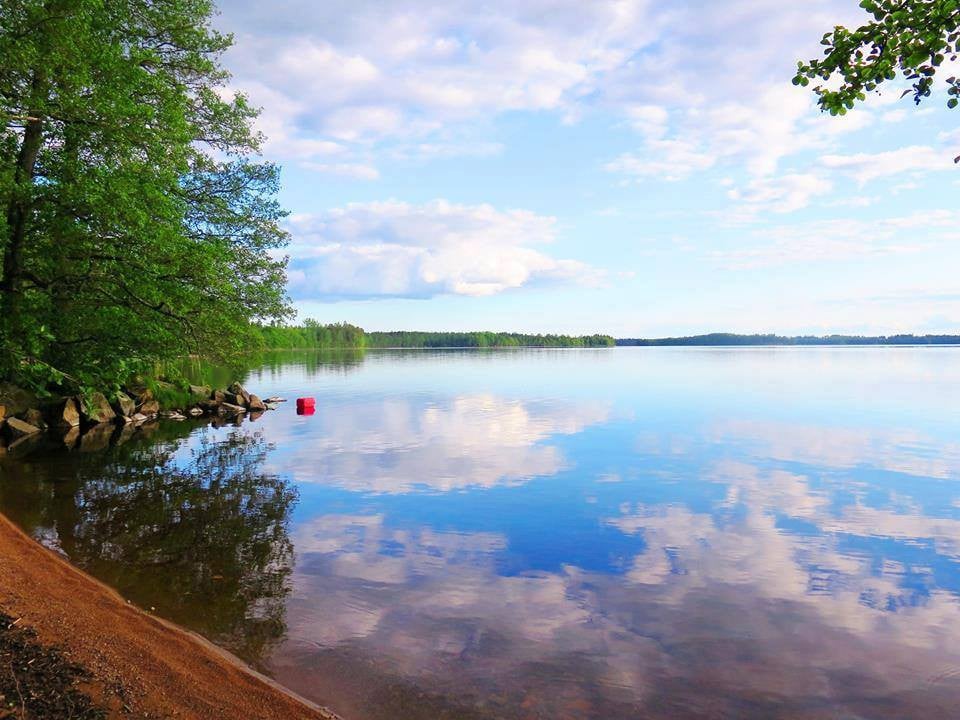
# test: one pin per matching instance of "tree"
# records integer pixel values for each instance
(907, 38)
(136, 224)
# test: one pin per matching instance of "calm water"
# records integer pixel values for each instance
(630, 533)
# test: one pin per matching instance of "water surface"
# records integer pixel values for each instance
(629, 533)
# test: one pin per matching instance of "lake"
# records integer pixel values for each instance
(615, 533)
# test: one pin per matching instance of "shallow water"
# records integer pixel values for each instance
(629, 533)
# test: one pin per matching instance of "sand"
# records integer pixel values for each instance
(142, 666)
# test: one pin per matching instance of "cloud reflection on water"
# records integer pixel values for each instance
(734, 608)
(401, 444)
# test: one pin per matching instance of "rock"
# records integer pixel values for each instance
(139, 418)
(15, 428)
(237, 389)
(275, 399)
(65, 413)
(200, 392)
(256, 404)
(255, 415)
(173, 415)
(235, 399)
(97, 410)
(33, 417)
(231, 409)
(195, 412)
(149, 407)
(209, 407)
(124, 405)
(3, 412)
(15, 399)
(217, 396)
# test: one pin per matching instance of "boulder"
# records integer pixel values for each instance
(231, 409)
(3, 412)
(65, 413)
(195, 412)
(218, 396)
(15, 428)
(139, 418)
(33, 417)
(275, 399)
(200, 392)
(15, 399)
(124, 405)
(149, 407)
(235, 399)
(256, 404)
(237, 389)
(97, 409)
(209, 407)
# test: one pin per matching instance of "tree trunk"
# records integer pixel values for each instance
(18, 211)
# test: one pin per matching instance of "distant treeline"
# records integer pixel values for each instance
(482, 340)
(343, 335)
(312, 335)
(732, 339)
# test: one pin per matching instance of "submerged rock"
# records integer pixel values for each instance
(96, 438)
(256, 404)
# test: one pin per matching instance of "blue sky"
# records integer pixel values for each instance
(637, 167)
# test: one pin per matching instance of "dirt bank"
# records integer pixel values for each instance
(139, 666)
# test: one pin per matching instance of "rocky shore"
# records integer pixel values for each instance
(94, 422)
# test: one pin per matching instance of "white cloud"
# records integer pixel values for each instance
(357, 171)
(396, 249)
(405, 68)
(782, 193)
(841, 239)
(664, 159)
(864, 167)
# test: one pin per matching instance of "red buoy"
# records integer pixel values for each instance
(305, 406)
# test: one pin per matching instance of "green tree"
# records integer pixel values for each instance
(905, 38)
(136, 224)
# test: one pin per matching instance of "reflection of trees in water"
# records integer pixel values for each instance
(204, 542)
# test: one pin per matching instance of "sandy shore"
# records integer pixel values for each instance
(142, 667)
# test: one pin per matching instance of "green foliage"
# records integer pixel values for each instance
(907, 38)
(481, 340)
(343, 335)
(311, 335)
(135, 225)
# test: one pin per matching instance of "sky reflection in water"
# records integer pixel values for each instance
(630, 533)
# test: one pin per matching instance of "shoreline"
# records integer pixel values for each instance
(140, 666)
